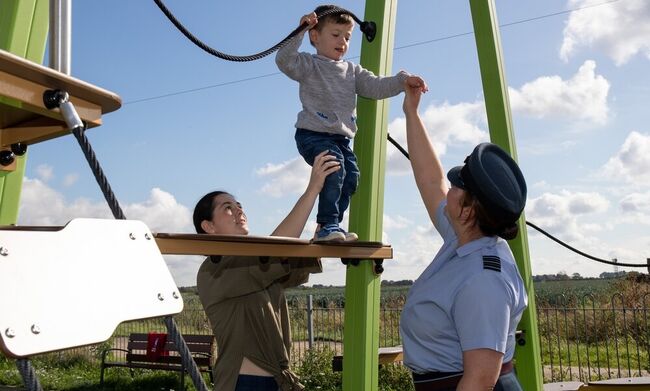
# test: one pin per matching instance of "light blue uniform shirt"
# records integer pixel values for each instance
(469, 297)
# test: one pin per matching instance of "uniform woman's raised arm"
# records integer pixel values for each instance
(427, 169)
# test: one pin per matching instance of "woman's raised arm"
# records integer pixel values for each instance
(427, 169)
(294, 223)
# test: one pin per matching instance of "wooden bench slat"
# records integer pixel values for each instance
(170, 346)
(200, 346)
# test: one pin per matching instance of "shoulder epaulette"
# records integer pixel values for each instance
(492, 262)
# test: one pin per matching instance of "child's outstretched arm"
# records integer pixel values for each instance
(371, 86)
(292, 63)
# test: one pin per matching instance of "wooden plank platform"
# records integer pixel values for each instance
(622, 384)
(23, 115)
(272, 246)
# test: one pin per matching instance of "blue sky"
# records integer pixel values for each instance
(579, 78)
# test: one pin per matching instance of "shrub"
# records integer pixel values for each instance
(316, 373)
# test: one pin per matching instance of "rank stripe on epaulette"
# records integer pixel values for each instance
(492, 262)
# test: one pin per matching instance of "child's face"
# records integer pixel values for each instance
(333, 40)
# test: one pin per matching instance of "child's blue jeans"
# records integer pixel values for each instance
(334, 199)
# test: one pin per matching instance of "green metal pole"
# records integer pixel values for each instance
(495, 90)
(362, 288)
(23, 32)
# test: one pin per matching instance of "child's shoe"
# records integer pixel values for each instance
(349, 236)
(329, 233)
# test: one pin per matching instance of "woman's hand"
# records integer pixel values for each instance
(412, 95)
(324, 165)
(294, 223)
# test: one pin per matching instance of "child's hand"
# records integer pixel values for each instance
(411, 99)
(416, 82)
(310, 19)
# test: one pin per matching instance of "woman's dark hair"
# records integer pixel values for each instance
(490, 223)
(204, 208)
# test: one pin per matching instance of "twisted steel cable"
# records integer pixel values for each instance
(193, 370)
(30, 380)
(58, 98)
(80, 134)
(368, 28)
(172, 328)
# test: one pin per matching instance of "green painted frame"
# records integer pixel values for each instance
(23, 32)
(497, 105)
(362, 287)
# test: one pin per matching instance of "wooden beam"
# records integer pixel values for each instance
(23, 115)
(203, 244)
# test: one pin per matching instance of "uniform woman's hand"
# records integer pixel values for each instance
(412, 96)
(324, 165)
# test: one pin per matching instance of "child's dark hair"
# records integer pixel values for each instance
(204, 208)
(336, 18)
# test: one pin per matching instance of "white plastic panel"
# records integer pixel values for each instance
(72, 287)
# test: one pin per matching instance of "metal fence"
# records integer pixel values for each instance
(585, 339)
(581, 338)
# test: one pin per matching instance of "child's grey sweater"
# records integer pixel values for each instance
(329, 88)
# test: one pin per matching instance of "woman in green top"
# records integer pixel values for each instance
(244, 297)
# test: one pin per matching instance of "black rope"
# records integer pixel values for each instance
(80, 133)
(615, 263)
(368, 28)
(30, 380)
(60, 99)
(399, 147)
(186, 356)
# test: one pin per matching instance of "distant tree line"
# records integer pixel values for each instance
(562, 276)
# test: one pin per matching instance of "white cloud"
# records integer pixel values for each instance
(583, 97)
(632, 161)
(621, 30)
(70, 179)
(161, 212)
(40, 205)
(289, 177)
(397, 222)
(447, 124)
(44, 172)
(557, 213)
(636, 208)
(413, 253)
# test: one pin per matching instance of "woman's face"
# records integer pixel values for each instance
(228, 217)
(455, 209)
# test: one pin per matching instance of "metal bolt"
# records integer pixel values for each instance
(4, 251)
(175, 295)
(132, 236)
(10, 333)
(146, 236)
(161, 297)
(36, 329)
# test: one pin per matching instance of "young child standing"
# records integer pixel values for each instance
(328, 91)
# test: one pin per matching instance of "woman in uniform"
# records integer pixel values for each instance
(459, 320)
